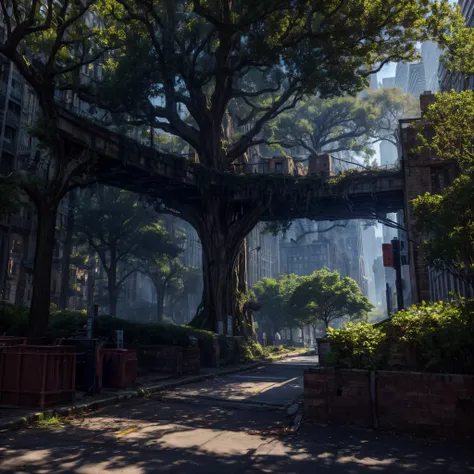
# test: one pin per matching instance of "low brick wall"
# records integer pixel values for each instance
(341, 397)
(420, 403)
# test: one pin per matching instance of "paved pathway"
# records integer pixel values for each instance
(234, 425)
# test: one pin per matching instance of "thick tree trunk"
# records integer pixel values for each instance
(112, 281)
(222, 229)
(160, 303)
(39, 310)
(20, 290)
(65, 288)
(113, 298)
(244, 327)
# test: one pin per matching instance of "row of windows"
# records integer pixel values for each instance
(306, 250)
(307, 258)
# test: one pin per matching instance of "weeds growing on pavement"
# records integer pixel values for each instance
(50, 422)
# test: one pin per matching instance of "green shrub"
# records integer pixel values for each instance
(152, 333)
(13, 320)
(355, 345)
(441, 334)
(65, 323)
(249, 350)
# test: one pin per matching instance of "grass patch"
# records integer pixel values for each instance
(146, 394)
(51, 422)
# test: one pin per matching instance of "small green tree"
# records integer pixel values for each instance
(324, 297)
(117, 226)
(273, 295)
(166, 274)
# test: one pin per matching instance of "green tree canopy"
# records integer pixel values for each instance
(195, 58)
(324, 297)
(171, 279)
(392, 105)
(118, 226)
(53, 45)
(273, 295)
(327, 125)
(9, 195)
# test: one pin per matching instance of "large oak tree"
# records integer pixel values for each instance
(186, 62)
(194, 59)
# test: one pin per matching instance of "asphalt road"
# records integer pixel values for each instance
(232, 425)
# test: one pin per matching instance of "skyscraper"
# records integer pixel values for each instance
(388, 82)
(401, 76)
(430, 54)
(416, 79)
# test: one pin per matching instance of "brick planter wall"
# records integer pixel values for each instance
(412, 402)
(341, 397)
(439, 404)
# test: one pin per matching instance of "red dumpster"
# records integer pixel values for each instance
(11, 340)
(37, 376)
(99, 369)
(120, 368)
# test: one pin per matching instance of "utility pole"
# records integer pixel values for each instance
(397, 265)
(388, 296)
(90, 295)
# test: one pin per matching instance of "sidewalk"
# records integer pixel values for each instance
(12, 418)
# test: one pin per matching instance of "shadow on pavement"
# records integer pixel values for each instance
(156, 437)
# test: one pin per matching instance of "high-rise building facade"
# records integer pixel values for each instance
(401, 76)
(416, 79)
(430, 54)
(263, 255)
(388, 82)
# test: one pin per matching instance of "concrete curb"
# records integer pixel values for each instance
(23, 422)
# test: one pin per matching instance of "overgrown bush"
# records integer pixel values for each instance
(441, 334)
(152, 333)
(355, 345)
(13, 320)
(65, 323)
(249, 350)
(437, 336)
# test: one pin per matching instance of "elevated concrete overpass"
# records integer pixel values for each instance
(122, 162)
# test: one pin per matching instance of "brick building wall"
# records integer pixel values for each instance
(423, 172)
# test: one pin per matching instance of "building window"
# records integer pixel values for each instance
(278, 167)
(9, 134)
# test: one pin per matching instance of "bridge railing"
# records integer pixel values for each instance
(263, 167)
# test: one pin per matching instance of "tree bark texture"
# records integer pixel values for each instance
(39, 310)
(65, 264)
(222, 228)
(112, 281)
(160, 303)
(113, 298)
(20, 290)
